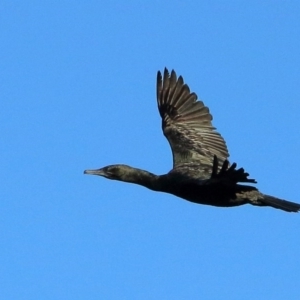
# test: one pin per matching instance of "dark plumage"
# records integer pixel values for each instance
(197, 149)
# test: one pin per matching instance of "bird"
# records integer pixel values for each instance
(201, 170)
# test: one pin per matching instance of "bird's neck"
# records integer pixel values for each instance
(142, 177)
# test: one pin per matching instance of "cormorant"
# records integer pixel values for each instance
(197, 149)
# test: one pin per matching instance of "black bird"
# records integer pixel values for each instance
(197, 149)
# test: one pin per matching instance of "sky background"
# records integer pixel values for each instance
(77, 89)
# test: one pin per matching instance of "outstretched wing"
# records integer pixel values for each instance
(186, 123)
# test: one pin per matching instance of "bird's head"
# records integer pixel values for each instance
(115, 172)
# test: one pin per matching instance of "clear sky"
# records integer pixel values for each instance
(77, 88)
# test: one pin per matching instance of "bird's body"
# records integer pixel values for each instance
(197, 149)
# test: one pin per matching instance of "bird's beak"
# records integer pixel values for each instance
(94, 172)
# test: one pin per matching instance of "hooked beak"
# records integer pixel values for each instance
(99, 172)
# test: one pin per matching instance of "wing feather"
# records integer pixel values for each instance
(186, 123)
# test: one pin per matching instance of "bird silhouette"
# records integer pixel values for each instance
(201, 171)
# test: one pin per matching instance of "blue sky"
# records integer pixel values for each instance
(78, 91)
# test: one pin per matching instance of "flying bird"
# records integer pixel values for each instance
(201, 171)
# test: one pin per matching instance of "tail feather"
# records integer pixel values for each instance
(280, 204)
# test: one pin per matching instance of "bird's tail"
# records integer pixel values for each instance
(280, 203)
